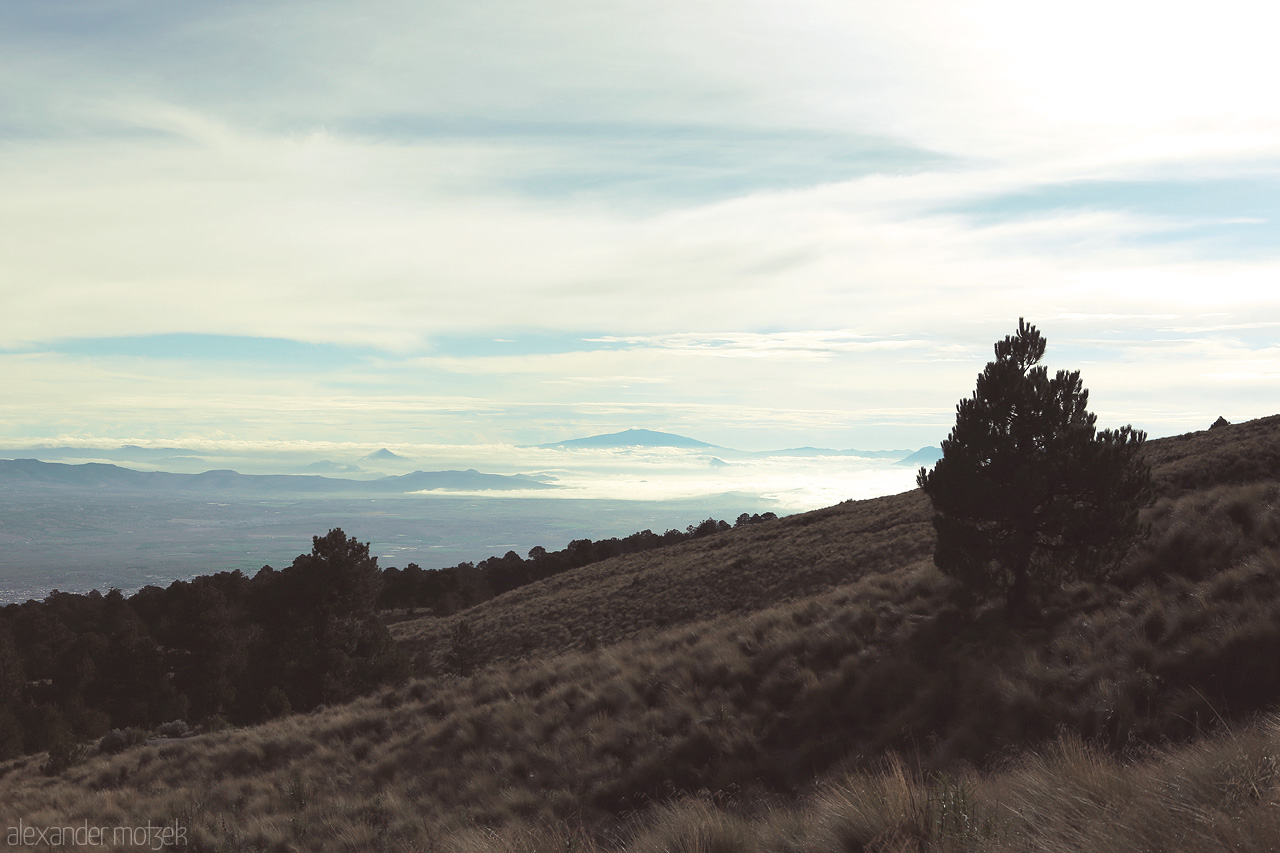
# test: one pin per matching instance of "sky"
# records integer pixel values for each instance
(761, 224)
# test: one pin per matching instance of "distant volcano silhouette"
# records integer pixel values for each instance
(632, 438)
(385, 455)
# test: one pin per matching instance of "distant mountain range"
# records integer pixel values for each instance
(310, 478)
(98, 475)
(128, 453)
(653, 439)
(328, 466)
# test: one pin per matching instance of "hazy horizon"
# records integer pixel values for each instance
(76, 539)
(792, 483)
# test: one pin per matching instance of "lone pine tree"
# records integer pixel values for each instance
(1028, 491)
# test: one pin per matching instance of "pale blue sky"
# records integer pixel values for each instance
(759, 224)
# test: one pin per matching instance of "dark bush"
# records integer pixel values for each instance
(118, 740)
(174, 728)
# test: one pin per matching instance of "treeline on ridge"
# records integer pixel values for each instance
(232, 649)
(447, 591)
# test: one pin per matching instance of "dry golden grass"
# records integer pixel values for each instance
(1219, 794)
(1230, 455)
(759, 566)
(684, 699)
(737, 571)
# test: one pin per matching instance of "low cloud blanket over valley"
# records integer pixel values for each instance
(102, 517)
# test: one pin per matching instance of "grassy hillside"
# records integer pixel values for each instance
(1218, 794)
(750, 691)
(1227, 455)
(737, 571)
(791, 558)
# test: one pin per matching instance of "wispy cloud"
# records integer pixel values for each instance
(744, 217)
(799, 346)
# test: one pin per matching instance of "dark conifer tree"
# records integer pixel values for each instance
(1028, 491)
(329, 643)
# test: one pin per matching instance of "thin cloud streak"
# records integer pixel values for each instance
(759, 221)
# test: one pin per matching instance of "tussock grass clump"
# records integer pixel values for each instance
(173, 729)
(1207, 531)
(1218, 794)
(118, 740)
